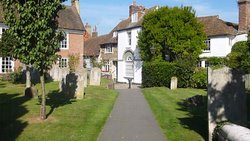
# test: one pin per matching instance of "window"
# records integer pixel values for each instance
(64, 42)
(207, 42)
(7, 65)
(108, 49)
(129, 38)
(2, 31)
(63, 62)
(105, 67)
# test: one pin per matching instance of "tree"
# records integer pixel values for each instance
(7, 43)
(175, 32)
(33, 24)
(239, 58)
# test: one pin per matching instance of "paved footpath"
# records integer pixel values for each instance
(131, 120)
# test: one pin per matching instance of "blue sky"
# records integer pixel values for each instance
(106, 14)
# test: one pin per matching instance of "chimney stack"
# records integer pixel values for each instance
(244, 16)
(94, 33)
(76, 4)
(88, 29)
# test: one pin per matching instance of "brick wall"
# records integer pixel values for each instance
(244, 15)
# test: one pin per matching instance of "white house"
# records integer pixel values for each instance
(129, 61)
(221, 35)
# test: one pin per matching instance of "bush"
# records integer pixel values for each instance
(199, 78)
(157, 74)
(216, 62)
(16, 76)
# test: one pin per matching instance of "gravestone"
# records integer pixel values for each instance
(80, 85)
(174, 81)
(95, 77)
(226, 98)
(85, 74)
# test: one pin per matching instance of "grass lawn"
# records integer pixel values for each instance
(178, 121)
(68, 119)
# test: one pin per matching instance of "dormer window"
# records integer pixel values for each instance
(208, 45)
(134, 17)
(108, 49)
(114, 34)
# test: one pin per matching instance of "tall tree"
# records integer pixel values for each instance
(175, 32)
(33, 24)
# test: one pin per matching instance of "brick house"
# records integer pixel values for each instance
(70, 22)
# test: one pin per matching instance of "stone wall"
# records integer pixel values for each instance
(226, 98)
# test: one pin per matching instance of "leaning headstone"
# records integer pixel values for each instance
(95, 77)
(173, 84)
(226, 98)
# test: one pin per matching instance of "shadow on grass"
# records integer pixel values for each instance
(57, 99)
(11, 109)
(197, 117)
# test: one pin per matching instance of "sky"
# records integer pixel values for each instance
(106, 14)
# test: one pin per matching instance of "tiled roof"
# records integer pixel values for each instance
(214, 26)
(92, 45)
(68, 18)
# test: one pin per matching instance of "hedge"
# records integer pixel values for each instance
(157, 74)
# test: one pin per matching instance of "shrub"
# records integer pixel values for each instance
(216, 62)
(16, 76)
(199, 78)
(156, 74)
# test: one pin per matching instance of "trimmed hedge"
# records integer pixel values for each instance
(157, 74)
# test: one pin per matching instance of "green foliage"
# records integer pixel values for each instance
(239, 58)
(216, 62)
(172, 31)
(73, 62)
(95, 63)
(184, 70)
(199, 78)
(34, 27)
(7, 44)
(156, 74)
(16, 76)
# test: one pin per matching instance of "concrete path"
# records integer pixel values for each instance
(131, 120)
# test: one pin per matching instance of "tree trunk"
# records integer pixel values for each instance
(43, 104)
(28, 76)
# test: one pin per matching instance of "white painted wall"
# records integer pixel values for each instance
(220, 46)
(123, 46)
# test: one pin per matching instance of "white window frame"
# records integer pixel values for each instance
(129, 33)
(10, 67)
(208, 45)
(63, 64)
(65, 42)
(1, 31)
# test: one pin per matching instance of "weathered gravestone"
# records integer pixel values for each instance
(174, 81)
(72, 84)
(95, 77)
(226, 98)
(85, 75)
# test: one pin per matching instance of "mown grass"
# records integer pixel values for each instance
(68, 119)
(178, 121)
